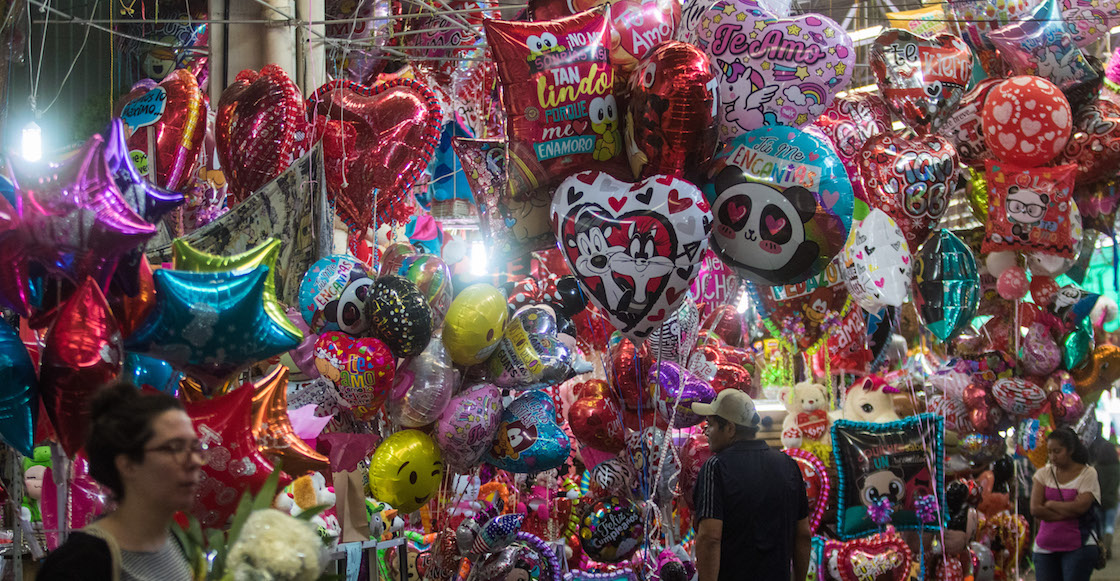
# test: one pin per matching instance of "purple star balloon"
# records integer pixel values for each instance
(148, 200)
(75, 221)
(15, 292)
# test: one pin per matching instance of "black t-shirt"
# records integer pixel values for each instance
(759, 494)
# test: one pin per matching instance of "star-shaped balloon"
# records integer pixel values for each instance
(82, 351)
(148, 200)
(211, 324)
(75, 220)
(273, 427)
(19, 392)
(188, 258)
(15, 291)
(132, 310)
(233, 460)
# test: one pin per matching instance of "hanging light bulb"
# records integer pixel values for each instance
(32, 143)
(479, 260)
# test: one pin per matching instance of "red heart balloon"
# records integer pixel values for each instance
(259, 117)
(361, 369)
(396, 130)
(1095, 143)
(879, 558)
(595, 418)
(921, 79)
(909, 179)
(179, 132)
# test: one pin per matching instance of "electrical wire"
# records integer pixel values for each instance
(72, 63)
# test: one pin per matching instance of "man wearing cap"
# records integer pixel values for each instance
(751, 509)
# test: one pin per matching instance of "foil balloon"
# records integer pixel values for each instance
(332, 295)
(15, 286)
(361, 369)
(468, 425)
(187, 258)
(613, 476)
(405, 470)
(378, 138)
(897, 461)
(848, 123)
(634, 247)
(531, 354)
(1041, 45)
(963, 127)
(259, 115)
(611, 529)
(1018, 396)
(433, 279)
(977, 18)
(886, 556)
(1031, 210)
(528, 438)
(595, 417)
(234, 463)
(847, 344)
(86, 502)
(1094, 145)
(19, 394)
(921, 79)
(175, 111)
(151, 373)
(422, 387)
(672, 116)
(801, 312)
(82, 351)
(675, 338)
(675, 389)
(366, 28)
(272, 426)
(213, 324)
(72, 217)
(714, 285)
(301, 360)
(818, 484)
(1040, 355)
(694, 452)
(540, 65)
(1085, 24)
(876, 263)
(782, 205)
(946, 284)
(727, 324)
(927, 21)
(399, 315)
(909, 179)
(474, 324)
(811, 58)
(1026, 136)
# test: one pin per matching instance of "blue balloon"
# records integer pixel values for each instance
(211, 324)
(321, 293)
(19, 392)
(782, 204)
(144, 371)
(946, 284)
(528, 438)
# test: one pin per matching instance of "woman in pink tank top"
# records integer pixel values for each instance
(1063, 491)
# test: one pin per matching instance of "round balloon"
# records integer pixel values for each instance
(405, 470)
(320, 293)
(474, 324)
(468, 424)
(782, 205)
(611, 529)
(531, 354)
(399, 315)
(1027, 121)
(422, 388)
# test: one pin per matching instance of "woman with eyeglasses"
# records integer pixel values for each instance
(143, 448)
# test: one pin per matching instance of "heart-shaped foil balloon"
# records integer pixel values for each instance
(848, 123)
(963, 127)
(818, 484)
(953, 410)
(922, 79)
(885, 558)
(361, 369)
(635, 248)
(676, 389)
(1094, 144)
(909, 179)
(260, 118)
(595, 417)
(528, 438)
(176, 113)
(776, 71)
(380, 138)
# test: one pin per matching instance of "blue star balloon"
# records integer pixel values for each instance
(211, 324)
(19, 392)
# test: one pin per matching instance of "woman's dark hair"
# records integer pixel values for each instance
(1070, 441)
(1103, 452)
(121, 423)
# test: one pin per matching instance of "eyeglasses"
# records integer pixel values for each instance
(1033, 210)
(180, 449)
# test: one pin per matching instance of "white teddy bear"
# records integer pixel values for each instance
(807, 415)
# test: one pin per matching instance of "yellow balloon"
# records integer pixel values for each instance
(927, 21)
(406, 470)
(186, 257)
(977, 192)
(474, 324)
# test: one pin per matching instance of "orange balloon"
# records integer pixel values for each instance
(131, 311)
(273, 428)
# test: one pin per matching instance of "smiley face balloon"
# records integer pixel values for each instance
(405, 470)
(474, 324)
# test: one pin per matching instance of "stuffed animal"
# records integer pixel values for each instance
(807, 415)
(870, 399)
(309, 491)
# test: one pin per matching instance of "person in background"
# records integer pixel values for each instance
(1061, 492)
(143, 448)
(751, 508)
(1107, 463)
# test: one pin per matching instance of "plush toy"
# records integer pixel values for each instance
(383, 520)
(33, 471)
(1098, 373)
(870, 399)
(309, 491)
(807, 422)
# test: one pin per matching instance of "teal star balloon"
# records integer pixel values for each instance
(212, 325)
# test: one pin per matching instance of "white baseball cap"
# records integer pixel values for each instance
(732, 405)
